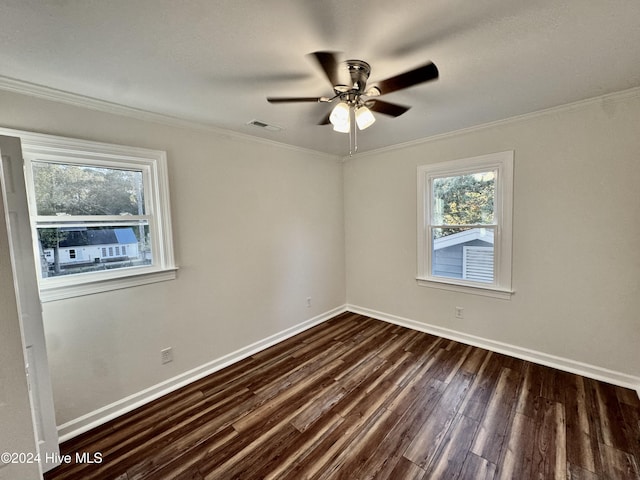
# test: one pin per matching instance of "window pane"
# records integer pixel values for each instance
(63, 189)
(73, 250)
(464, 199)
(463, 253)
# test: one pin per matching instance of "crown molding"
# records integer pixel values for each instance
(61, 96)
(82, 101)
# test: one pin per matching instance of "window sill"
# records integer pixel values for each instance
(493, 292)
(51, 293)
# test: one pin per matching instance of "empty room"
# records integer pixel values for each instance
(319, 240)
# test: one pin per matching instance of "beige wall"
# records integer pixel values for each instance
(257, 228)
(576, 242)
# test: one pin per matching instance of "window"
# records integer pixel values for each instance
(464, 224)
(88, 199)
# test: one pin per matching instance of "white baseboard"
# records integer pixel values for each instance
(102, 415)
(565, 364)
(98, 417)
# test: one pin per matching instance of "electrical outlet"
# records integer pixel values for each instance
(459, 312)
(166, 355)
(308, 302)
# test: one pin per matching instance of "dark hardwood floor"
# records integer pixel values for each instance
(356, 398)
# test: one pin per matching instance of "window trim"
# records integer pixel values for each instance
(36, 146)
(502, 162)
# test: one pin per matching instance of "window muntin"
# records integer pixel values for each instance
(464, 215)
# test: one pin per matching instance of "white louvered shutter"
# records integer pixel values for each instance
(477, 264)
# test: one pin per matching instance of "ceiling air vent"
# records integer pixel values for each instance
(266, 126)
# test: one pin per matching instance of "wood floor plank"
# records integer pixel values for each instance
(631, 418)
(549, 455)
(330, 447)
(355, 462)
(611, 421)
(482, 389)
(477, 468)
(628, 397)
(305, 445)
(414, 407)
(425, 446)
(618, 464)
(355, 398)
(397, 348)
(318, 407)
(474, 361)
(574, 472)
(405, 470)
(452, 452)
(170, 463)
(582, 449)
(260, 455)
(500, 411)
(517, 459)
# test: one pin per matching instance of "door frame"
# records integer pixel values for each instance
(12, 184)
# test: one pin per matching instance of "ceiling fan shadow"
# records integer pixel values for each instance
(263, 78)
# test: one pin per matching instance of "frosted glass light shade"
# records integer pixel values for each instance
(339, 118)
(364, 118)
(344, 128)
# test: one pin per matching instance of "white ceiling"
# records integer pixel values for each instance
(214, 62)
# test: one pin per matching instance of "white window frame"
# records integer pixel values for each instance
(153, 164)
(502, 163)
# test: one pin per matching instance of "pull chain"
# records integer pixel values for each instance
(353, 133)
(350, 143)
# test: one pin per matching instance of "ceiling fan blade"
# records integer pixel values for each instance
(296, 99)
(408, 79)
(329, 64)
(392, 109)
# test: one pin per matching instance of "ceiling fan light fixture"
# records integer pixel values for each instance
(364, 117)
(356, 96)
(373, 92)
(339, 118)
(343, 128)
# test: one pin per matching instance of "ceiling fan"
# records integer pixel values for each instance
(354, 98)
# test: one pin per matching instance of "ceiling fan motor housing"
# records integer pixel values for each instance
(359, 72)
